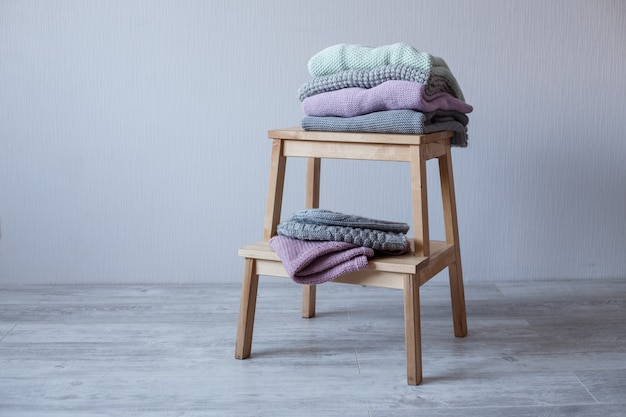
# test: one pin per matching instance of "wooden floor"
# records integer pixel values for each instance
(533, 349)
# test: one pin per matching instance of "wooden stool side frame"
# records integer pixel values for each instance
(417, 156)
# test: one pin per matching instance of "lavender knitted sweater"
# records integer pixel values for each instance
(314, 262)
(390, 95)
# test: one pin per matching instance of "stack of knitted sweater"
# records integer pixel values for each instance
(318, 245)
(388, 89)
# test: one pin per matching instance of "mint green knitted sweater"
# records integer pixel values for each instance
(344, 57)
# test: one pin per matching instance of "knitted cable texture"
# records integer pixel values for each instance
(374, 239)
(390, 121)
(439, 80)
(314, 262)
(332, 218)
(343, 57)
(390, 95)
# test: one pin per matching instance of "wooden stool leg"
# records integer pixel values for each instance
(458, 299)
(275, 190)
(412, 330)
(457, 292)
(247, 307)
(308, 301)
(312, 201)
(313, 166)
(420, 203)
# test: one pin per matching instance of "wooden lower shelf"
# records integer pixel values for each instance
(382, 271)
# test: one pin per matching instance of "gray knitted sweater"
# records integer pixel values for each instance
(320, 224)
(394, 121)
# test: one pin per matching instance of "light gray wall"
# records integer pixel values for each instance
(133, 133)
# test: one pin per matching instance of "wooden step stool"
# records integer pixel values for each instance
(407, 272)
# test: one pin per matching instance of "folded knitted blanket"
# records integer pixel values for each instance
(394, 121)
(438, 80)
(332, 218)
(343, 57)
(390, 95)
(370, 238)
(315, 262)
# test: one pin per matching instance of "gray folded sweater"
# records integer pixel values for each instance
(375, 239)
(435, 81)
(332, 218)
(394, 121)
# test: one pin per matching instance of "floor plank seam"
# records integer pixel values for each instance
(502, 407)
(7, 333)
(585, 387)
(356, 357)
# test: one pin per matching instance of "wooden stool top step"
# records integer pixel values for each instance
(363, 146)
(298, 133)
